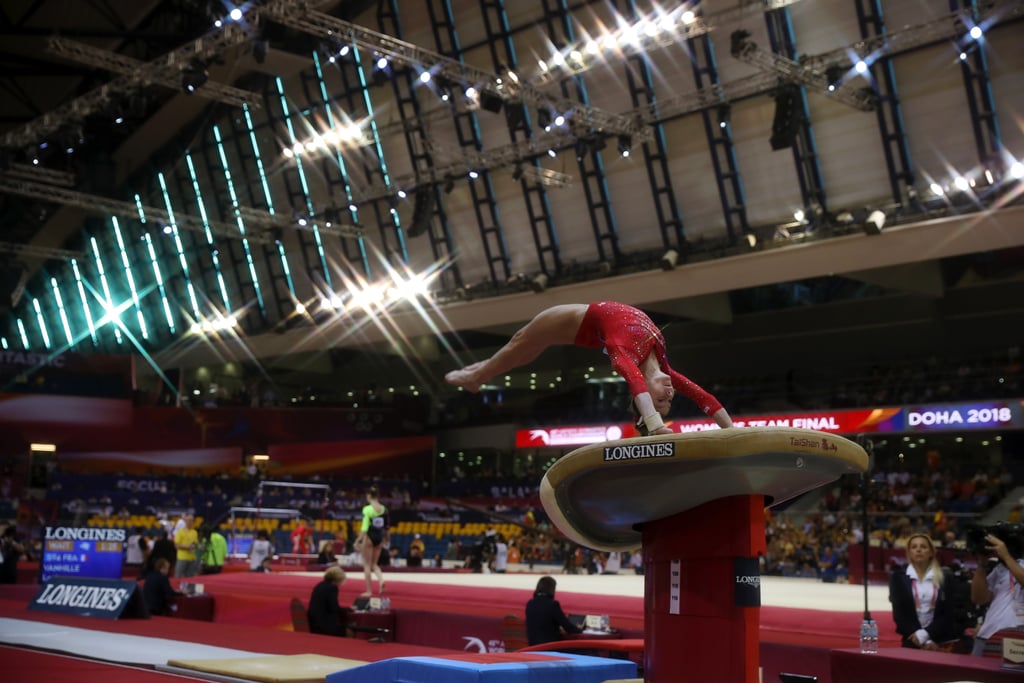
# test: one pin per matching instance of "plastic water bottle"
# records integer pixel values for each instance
(868, 637)
(873, 637)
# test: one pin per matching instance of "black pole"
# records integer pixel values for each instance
(869, 448)
(864, 541)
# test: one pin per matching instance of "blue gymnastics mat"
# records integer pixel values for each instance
(506, 667)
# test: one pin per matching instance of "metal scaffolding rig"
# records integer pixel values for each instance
(268, 224)
(154, 71)
(300, 15)
(128, 66)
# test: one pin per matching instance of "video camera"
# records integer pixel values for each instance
(1010, 534)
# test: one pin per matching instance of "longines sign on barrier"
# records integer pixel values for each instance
(85, 597)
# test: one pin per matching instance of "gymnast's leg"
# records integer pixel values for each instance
(553, 326)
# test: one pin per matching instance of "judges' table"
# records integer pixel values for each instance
(915, 666)
(198, 607)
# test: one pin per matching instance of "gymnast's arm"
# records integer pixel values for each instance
(705, 401)
(638, 388)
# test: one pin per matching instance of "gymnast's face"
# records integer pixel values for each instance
(659, 385)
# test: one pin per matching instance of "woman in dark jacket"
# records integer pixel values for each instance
(544, 616)
(920, 598)
(324, 612)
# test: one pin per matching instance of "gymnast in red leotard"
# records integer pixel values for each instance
(632, 341)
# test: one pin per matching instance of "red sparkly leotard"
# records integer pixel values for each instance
(628, 337)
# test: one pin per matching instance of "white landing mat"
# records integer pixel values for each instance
(111, 647)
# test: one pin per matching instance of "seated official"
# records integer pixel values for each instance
(545, 619)
(157, 592)
(920, 598)
(324, 614)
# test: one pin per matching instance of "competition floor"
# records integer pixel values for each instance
(801, 620)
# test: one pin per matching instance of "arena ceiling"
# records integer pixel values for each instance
(698, 221)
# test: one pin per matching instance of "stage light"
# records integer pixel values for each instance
(539, 283)
(260, 47)
(724, 113)
(976, 32)
(834, 75)
(194, 76)
(861, 66)
(625, 144)
(669, 259)
(235, 14)
(544, 118)
(788, 117)
(425, 77)
(874, 223)
(515, 115)
(1017, 170)
(751, 239)
(581, 150)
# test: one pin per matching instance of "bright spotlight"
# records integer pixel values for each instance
(382, 63)
(861, 66)
(976, 32)
(688, 17)
(425, 77)
(961, 183)
(799, 215)
(235, 14)
(936, 189)
(1017, 170)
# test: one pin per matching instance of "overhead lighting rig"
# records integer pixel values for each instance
(113, 207)
(39, 252)
(155, 71)
(664, 30)
(520, 152)
(952, 25)
(300, 15)
(126, 66)
(746, 50)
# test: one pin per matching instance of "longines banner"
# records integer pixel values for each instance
(946, 417)
(104, 598)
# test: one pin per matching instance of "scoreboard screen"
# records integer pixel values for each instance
(77, 551)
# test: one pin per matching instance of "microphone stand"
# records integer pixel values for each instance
(869, 448)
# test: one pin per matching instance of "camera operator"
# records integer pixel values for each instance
(1002, 587)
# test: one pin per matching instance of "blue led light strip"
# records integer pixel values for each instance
(85, 300)
(239, 221)
(305, 186)
(177, 245)
(42, 322)
(267, 196)
(156, 267)
(62, 312)
(341, 160)
(110, 312)
(126, 262)
(209, 234)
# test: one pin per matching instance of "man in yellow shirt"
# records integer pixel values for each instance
(186, 540)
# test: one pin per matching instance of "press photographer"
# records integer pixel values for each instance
(997, 584)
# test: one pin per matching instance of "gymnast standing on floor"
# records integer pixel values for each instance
(634, 345)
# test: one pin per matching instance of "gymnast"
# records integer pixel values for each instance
(633, 343)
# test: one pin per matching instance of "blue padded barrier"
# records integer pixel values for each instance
(506, 667)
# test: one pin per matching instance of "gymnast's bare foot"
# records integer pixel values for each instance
(463, 378)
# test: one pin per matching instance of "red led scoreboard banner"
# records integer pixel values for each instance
(950, 417)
